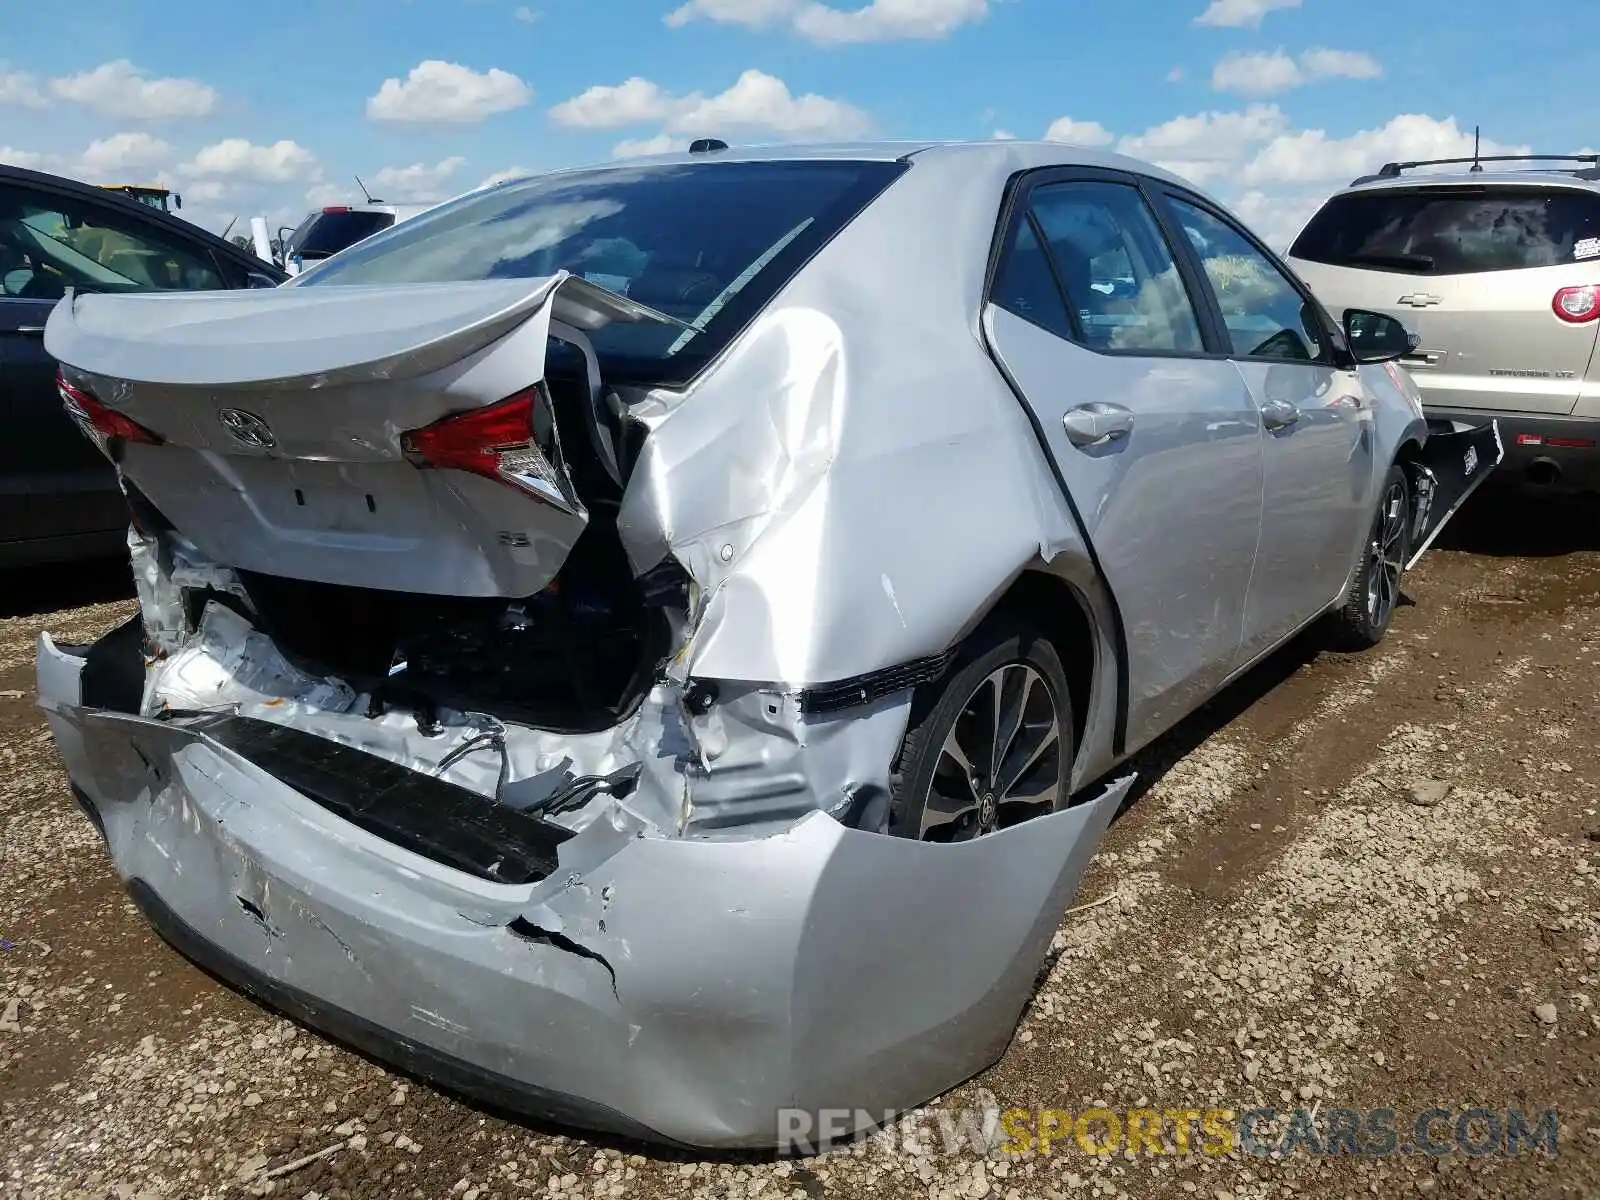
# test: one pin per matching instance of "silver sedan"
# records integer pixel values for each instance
(653, 645)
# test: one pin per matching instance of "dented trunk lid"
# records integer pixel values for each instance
(395, 437)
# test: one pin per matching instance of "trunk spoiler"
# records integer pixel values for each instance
(304, 337)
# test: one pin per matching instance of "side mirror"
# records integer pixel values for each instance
(1375, 337)
(257, 280)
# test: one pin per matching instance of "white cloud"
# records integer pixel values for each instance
(30, 159)
(527, 15)
(1204, 145)
(1003, 135)
(763, 103)
(1311, 156)
(757, 102)
(419, 183)
(634, 101)
(1265, 73)
(21, 90)
(124, 152)
(1322, 63)
(878, 21)
(1078, 133)
(887, 20)
(446, 92)
(1276, 219)
(117, 89)
(1236, 13)
(321, 195)
(662, 143)
(282, 162)
(208, 191)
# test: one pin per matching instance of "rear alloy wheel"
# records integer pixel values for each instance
(1375, 592)
(990, 745)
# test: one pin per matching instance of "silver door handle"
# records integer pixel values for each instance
(1097, 424)
(1279, 414)
(31, 330)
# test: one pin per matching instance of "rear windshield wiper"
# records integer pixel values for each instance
(1406, 262)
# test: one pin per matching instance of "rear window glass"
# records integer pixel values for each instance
(706, 243)
(322, 234)
(1459, 231)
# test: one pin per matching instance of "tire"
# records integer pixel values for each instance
(930, 797)
(1362, 620)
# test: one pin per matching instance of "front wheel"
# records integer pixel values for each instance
(1363, 618)
(991, 744)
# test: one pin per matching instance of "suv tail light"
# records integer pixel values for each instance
(1577, 304)
(501, 442)
(99, 423)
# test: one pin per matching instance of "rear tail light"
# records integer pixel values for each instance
(499, 442)
(336, 208)
(99, 423)
(1577, 304)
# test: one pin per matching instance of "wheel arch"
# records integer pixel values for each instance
(1062, 612)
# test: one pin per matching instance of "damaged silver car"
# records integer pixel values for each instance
(646, 645)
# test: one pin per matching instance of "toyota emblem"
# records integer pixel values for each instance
(247, 429)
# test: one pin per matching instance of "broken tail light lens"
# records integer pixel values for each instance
(1577, 304)
(99, 423)
(499, 442)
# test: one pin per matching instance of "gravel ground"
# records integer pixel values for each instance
(1361, 882)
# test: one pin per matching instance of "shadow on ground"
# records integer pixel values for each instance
(31, 591)
(1509, 521)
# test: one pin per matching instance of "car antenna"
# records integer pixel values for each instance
(370, 198)
(1477, 142)
(224, 234)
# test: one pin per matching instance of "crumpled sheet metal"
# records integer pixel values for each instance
(751, 764)
(719, 981)
(854, 484)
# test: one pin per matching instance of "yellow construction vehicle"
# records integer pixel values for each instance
(156, 197)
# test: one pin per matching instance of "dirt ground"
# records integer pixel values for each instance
(1363, 882)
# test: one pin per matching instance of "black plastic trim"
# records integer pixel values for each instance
(874, 685)
(438, 820)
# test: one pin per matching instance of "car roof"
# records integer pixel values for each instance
(24, 177)
(1448, 179)
(1003, 155)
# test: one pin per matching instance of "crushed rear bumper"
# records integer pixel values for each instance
(670, 989)
(1553, 452)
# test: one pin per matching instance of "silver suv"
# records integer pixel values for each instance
(1499, 274)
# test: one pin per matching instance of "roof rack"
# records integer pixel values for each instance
(1392, 170)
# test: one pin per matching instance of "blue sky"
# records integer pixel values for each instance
(1267, 103)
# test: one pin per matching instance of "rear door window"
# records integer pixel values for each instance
(1454, 231)
(1105, 251)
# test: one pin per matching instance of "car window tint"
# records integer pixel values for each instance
(1117, 268)
(1455, 230)
(49, 243)
(1026, 286)
(1265, 314)
(708, 243)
